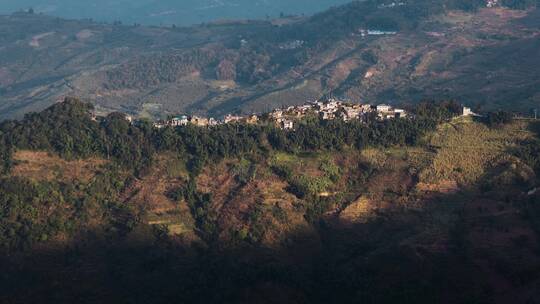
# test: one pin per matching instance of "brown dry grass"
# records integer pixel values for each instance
(266, 194)
(44, 166)
(466, 150)
(166, 174)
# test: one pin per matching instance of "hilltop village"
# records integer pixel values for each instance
(286, 118)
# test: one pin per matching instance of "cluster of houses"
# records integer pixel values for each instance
(292, 45)
(391, 5)
(285, 118)
(374, 32)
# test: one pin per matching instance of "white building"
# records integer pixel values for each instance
(384, 108)
(159, 125)
(199, 121)
(492, 3)
(287, 124)
(232, 118)
(179, 121)
(366, 108)
(213, 122)
(400, 113)
(276, 114)
(351, 113)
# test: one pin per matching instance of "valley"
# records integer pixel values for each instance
(483, 58)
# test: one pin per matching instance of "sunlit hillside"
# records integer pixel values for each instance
(237, 213)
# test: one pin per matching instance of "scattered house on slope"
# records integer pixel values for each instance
(387, 112)
(331, 105)
(176, 121)
(375, 32)
(232, 118)
(252, 119)
(327, 115)
(276, 114)
(351, 112)
(292, 45)
(400, 113)
(383, 108)
(287, 124)
(160, 124)
(212, 122)
(380, 32)
(492, 3)
(468, 112)
(199, 121)
(391, 5)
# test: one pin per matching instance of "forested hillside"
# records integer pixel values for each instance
(365, 51)
(432, 208)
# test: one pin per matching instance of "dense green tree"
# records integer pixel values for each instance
(497, 119)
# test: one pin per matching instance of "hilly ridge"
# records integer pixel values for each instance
(169, 12)
(436, 208)
(483, 57)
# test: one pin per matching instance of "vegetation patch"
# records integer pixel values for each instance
(44, 166)
(465, 150)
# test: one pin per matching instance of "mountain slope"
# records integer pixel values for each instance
(408, 211)
(486, 58)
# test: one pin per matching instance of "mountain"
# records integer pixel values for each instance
(484, 57)
(185, 12)
(435, 208)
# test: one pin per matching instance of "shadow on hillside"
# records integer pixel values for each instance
(535, 127)
(399, 256)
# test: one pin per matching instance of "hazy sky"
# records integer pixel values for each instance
(180, 12)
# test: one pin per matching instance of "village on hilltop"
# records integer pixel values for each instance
(285, 118)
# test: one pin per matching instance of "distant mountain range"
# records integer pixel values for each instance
(157, 12)
(366, 51)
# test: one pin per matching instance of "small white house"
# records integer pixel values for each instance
(287, 124)
(179, 121)
(400, 113)
(492, 3)
(213, 122)
(276, 114)
(327, 115)
(380, 32)
(384, 108)
(232, 118)
(159, 125)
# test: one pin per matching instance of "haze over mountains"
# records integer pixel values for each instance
(370, 51)
(183, 12)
